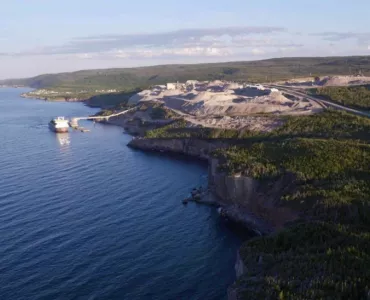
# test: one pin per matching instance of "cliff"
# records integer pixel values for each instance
(315, 189)
(240, 270)
(253, 203)
(192, 147)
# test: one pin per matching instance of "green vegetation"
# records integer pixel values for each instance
(113, 100)
(181, 129)
(327, 159)
(156, 111)
(327, 156)
(356, 96)
(94, 82)
(308, 261)
(253, 71)
(331, 177)
(161, 113)
(330, 124)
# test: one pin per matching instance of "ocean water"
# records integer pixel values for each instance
(82, 216)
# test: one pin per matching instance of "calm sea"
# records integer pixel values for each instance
(82, 216)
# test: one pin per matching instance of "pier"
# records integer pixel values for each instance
(74, 121)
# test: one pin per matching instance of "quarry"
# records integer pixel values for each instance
(225, 104)
(224, 98)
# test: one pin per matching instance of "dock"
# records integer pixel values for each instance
(74, 121)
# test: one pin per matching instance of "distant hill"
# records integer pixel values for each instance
(254, 71)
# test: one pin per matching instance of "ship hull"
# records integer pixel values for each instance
(58, 129)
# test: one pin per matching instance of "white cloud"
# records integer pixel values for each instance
(257, 51)
(197, 51)
(196, 40)
(161, 52)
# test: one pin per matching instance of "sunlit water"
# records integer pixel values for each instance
(82, 216)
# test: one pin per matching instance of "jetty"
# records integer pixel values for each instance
(74, 121)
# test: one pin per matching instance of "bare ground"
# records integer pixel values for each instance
(228, 105)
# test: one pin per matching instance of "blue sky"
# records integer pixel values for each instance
(48, 36)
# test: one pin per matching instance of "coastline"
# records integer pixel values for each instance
(226, 192)
(230, 213)
(127, 232)
(62, 99)
(245, 200)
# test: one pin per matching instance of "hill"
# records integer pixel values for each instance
(311, 175)
(253, 71)
(357, 97)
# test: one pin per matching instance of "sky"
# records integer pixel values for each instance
(51, 36)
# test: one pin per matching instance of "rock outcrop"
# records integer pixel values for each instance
(253, 203)
(192, 147)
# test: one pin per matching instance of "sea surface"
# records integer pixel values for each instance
(82, 216)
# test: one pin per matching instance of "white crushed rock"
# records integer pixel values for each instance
(224, 98)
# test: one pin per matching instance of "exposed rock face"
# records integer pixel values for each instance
(240, 268)
(250, 202)
(253, 203)
(192, 147)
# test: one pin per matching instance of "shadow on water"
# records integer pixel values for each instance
(174, 156)
(230, 227)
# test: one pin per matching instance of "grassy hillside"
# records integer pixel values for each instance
(255, 71)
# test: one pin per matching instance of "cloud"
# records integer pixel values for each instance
(257, 51)
(244, 42)
(361, 37)
(185, 42)
(166, 52)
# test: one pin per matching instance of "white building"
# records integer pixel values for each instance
(192, 82)
(171, 86)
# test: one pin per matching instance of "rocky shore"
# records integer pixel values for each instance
(241, 199)
(56, 99)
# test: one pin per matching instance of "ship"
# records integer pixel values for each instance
(59, 124)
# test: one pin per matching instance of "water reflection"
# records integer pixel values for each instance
(63, 139)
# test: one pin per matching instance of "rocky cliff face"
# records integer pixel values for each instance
(192, 147)
(250, 202)
(253, 203)
(240, 269)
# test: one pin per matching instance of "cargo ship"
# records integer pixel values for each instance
(59, 124)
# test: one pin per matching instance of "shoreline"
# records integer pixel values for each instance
(196, 149)
(231, 213)
(25, 96)
(253, 203)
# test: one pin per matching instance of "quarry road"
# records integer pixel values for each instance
(294, 91)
